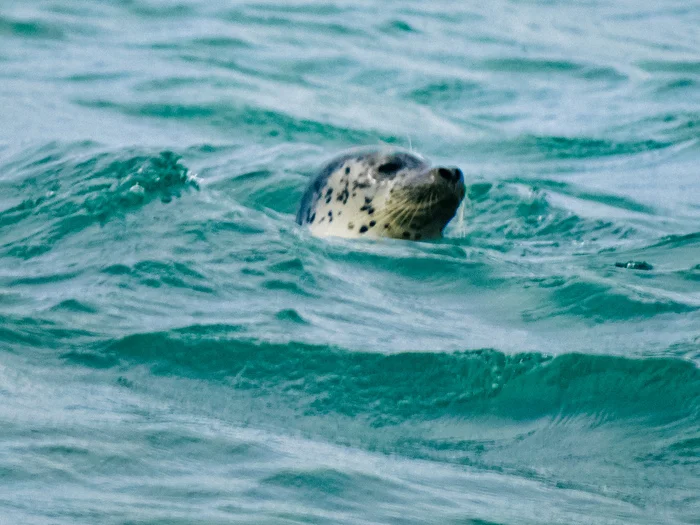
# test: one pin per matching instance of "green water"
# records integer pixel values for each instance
(185, 353)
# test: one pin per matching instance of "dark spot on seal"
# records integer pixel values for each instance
(363, 229)
(330, 215)
(406, 235)
(361, 185)
(386, 225)
(343, 195)
(366, 207)
(312, 218)
(351, 225)
(372, 223)
(329, 195)
(347, 170)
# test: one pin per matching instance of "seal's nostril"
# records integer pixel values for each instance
(445, 174)
(450, 174)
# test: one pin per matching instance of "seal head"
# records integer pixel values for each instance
(381, 193)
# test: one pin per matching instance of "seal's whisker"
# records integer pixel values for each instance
(431, 201)
(407, 207)
(426, 204)
(389, 214)
(413, 216)
(401, 214)
(422, 205)
(398, 210)
(406, 211)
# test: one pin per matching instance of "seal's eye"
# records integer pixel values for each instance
(390, 167)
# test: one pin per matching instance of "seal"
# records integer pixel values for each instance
(381, 192)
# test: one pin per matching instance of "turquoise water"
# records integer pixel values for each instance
(175, 349)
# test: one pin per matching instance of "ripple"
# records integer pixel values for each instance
(605, 303)
(554, 147)
(277, 125)
(73, 196)
(663, 66)
(529, 65)
(30, 29)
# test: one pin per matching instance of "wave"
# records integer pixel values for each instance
(538, 216)
(243, 119)
(386, 389)
(59, 191)
(33, 29)
(558, 147)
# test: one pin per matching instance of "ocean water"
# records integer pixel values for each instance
(174, 349)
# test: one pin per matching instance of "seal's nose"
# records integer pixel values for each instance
(451, 174)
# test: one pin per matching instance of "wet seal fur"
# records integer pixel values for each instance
(381, 192)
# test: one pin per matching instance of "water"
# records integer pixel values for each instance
(174, 349)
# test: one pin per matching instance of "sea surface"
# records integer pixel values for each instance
(174, 349)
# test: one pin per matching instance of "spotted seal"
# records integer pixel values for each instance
(381, 192)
